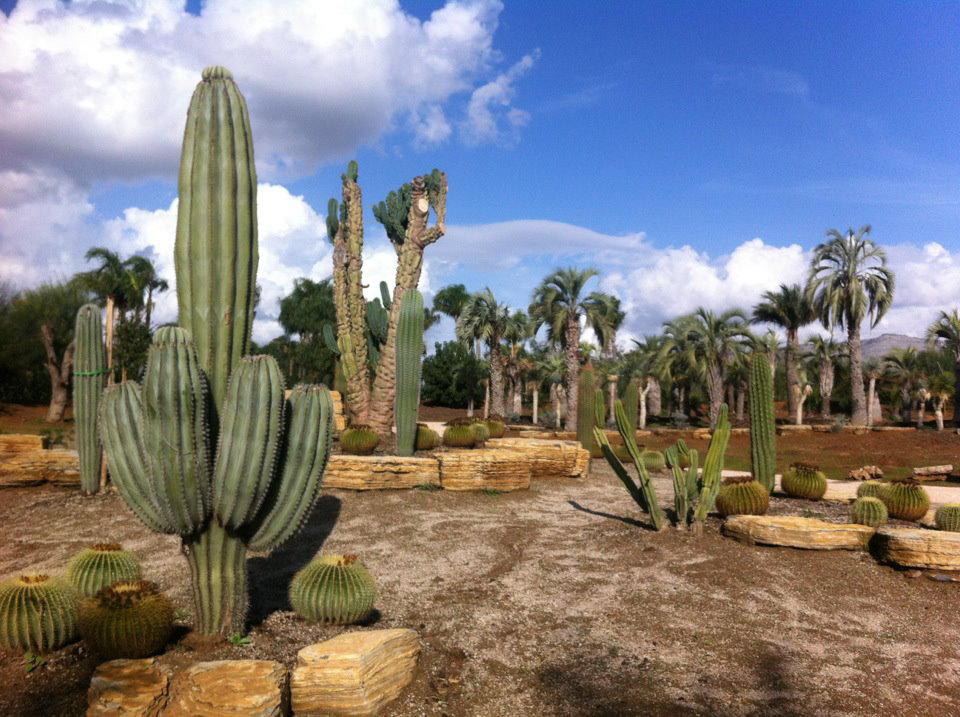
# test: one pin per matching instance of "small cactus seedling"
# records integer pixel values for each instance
(868, 511)
(907, 500)
(873, 489)
(742, 496)
(333, 589)
(947, 517)
(38, 613)
(129, 619)
(804, 481)
(359, 440)
(101, 565)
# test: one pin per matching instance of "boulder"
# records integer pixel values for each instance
(484, 469)
(60, 467)
(128, 688)
(932, 473)
(230, 688)
(866, 473)
(918, 547)
(796, 532)
(357, 673)
(549, 459)
(378, 472)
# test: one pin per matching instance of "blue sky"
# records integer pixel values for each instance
(693, 152)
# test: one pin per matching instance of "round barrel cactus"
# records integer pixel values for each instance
(804, 481)
(359, 440)
(480, 432)
(100, 566)
(742, 496)
(873, 489)
(868, 511)
(653, 460)
(497, 426)
(129, 619)
(38, 613)
(459, 434)
(907, 500)
(427, 438)
(333, 589)
(947, 517)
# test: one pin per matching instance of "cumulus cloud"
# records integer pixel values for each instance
(489, 115)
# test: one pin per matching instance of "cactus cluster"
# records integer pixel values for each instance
(38, 613)
(427, 438)
(333, 589)
(459, 433)
(742, 496)
(868, 511)
(409, 352)
(89, 375)
(359, 440)
(763, 447)
(129, 619)
(907, 500)
(100, 566)
(803, 480)
(683, 462)
(947, 517)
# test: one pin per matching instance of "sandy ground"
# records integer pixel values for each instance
(554, 601)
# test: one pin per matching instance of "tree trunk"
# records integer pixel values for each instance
(800, 397)
(956, 392)
(612, 392)
(938, 402)
(906, 403)
(642, 402)
(655, 397)
(871, 389)
(561, 408)
(496, 378)
(486, 399)
(149, 308)
(714, 391)
(470, 408)
(922, 397)
(859, 417)
(741, 401)
(731, 397)
(535, 399)
(790, 360)
(572, 336)
(517, 395)
(59, 374)
(826, 387)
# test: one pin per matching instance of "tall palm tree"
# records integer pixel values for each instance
(649, 370)
(676, 360)
(946, 332)
(559, 304)
(515, 333)
(450, 300)
(790, 308)
(144, 281)
(485, 319)
(849, 281)
(824, 352)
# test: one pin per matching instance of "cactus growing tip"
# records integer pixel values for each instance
(217, 72)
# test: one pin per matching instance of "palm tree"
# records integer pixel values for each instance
(450, 301)
(824, 352)
(676, 361)
(515, 333)
(143, 279)
(946, 332)
(791, 309)
(485, 319)
(111, 283)
(649, 370)
(559, 304)
(872, 370)
(849, 280)
(903, 366)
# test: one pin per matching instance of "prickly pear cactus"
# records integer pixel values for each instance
(947, 517)
(804, 481)
(907, 500)
(742, 496)
(129, 619)
(38, 613)
(359, 440)
(868, 511)
(100, 566)
(333, 589)
(89, 376)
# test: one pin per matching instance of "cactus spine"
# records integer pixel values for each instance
(907, 500)
(334, 589)
(100, 566)
(742, 496)
(868, 511)
(947, 517)
(37, 613)
(89, 374)
(586, 408)
(409, 350)
(763, 448)
(129, 619)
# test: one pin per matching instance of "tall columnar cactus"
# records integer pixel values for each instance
(250, 495)
(586, 408)
(216, 247)
(89, 374)
(685, 484)
(763, 448)
(409, 356)
(631, 404)
(712, 469)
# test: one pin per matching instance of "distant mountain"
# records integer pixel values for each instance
(879, 346)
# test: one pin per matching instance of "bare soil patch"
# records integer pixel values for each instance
(553, 601)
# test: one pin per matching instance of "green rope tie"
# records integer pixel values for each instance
(92, 373)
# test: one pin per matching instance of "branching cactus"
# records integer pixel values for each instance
(409, 356)
(685, 484)
(763, 448)
(712, 469)
(89, 374)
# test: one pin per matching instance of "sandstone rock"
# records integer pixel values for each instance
(379, 472)
(894, 428)
(932, 473)
(60, 467)
(549, 459)
(795, 532)
(357, 673)
(128, 688)
(484, 469)
(230, 688)
(19, 442)
(866, 473)
(791, 428)
(918, 547)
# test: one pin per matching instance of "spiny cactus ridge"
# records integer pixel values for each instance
(89, 376)
(947, 517)
(803, 480)
(359, 440)
(409, 352)
(763, 446)
(586, 408)
(742, 496)
(907, 500)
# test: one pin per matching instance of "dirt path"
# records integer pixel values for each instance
(554, 601)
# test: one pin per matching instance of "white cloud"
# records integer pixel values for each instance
(492, 100)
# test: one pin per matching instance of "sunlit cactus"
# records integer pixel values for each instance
(333, 589)
(101, 565)
(38, 613)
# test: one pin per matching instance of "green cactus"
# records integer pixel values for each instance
(868, 511)
(216, 246)
(804, 481)
(359, 440)
(763, 435)
(907, 500)
(631, 404)
(427, 438)
(712, 470)
(38, 613)
(100, 566)
(947, 517)
(409, 352)
(653, 460)
(459, 433)
(586, 408)
(873, 489)
(333, 589)
(129, 619)
(742, 496)
(685, 485)
(89, 375)
(480, 432)
(497, 426)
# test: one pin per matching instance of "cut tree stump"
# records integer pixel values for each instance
(230, 688)
(549, 459)
(484, 469)
(918, 547)
(357, 673)
(796, 532)
(20, 442)
(59, 467)
(128, 688)
(380, 472)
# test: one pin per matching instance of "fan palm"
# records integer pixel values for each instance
(144, 281)
(824, 352)
(484, 319)
(946, 331)
(903, 366)
(111, 283)
(849, 281)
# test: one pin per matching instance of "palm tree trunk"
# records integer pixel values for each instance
(612, 392)
(535, 400)
(572, 336)
(791, 370)
(731, 397)
(655, 397)
(561, 406)
(826, 387)
(149, 308)
(859, 417)
(956, 392)
(938, 402)
(741, 401)
(906, 403)
(59, 374)
(714, 391)
(470, 408)
(871, 389)
(486, 399)
(496, 378)
(642, 402)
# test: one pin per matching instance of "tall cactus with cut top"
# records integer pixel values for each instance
(258, 487)
(409, 355)
(89, 375)
(763, 447)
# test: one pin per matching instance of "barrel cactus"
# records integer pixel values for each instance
(497, 426)
(480, 432)
(409, 353)
(459, 434)
(653, 460)
(947, 517)
(868, 511)
(129, 619)
(763, 436)
(101, 565)
(907, 500)
(742, 496)
(359, 440)
(333, 589)
(38, 613)
(873, 489)
(89, 375)
(427, 438)
(803, 480)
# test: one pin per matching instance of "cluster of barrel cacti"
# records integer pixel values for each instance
(804, 480)
(763, 449)
(459, 433)
(333, 589)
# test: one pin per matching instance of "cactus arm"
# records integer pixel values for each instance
(681, 498)
(120, 423)
(409, 354)
(693, 488)
(619, 469)
(292, 497)
(252, 419)
(712, 468)
(89, 366)
(385, 295)
(646, 485)
(763, 448)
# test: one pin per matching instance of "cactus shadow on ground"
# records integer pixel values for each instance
(646, 525)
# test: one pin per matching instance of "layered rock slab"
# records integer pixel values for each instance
(25, 468)
(380, 472)
(128, 688)
(918, 547)
(796, 532)
(549, 458)
(485, 469)
(230, 688)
